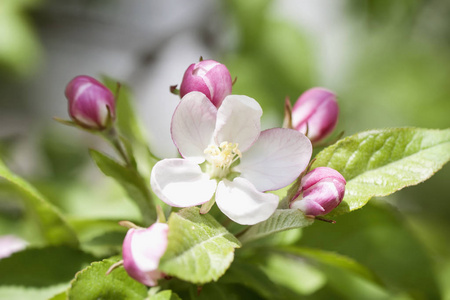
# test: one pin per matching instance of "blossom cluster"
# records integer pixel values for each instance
(226, 159)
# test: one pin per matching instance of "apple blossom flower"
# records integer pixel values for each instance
(225, 155)
(10, 244)
(315, 113)
(142, 251)
(321, 190)
(91, 104)
(208, 77)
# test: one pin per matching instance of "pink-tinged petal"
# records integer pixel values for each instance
(142, 251)
(181, 183)
(276, 159)
(193, 125)
(321, 191)
(193, 81)
(320, 198)
(220, 79)
(10, 244)
(209, 77)
(320, 173)
(308, 207)
(316, 110)
(238, 121)
(90, 102)
(243, 203)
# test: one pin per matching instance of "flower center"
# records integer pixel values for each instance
(221, 158)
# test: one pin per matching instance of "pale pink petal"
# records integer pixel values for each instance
(320, 198)
(238, 121)
(10, 244)
(276, 159)
(242, 203)
(308, 207)
(322, 173)
(142, 251)
(181, 183)
(193, 125)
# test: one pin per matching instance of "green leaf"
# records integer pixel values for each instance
(200, 249)
(27, 293)
(282, 219)
(131, 181)
(52, 224)
(89, 229)
(165, 295)
(92, 283)
(60, 296)
(378, 237)
(251, 276)
(334, 259)
(101, 237)
(43, 266)
(381, 162)
(294, 273)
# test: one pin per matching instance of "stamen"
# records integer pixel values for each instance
(222, 157)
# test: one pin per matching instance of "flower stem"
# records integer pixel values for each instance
(207, 206)
(160, 214)
(112, 136)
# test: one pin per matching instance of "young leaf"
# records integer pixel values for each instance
(93, 283)
(200, 249)
(25, 293)
(282, 219)
(252, 277)
(41, 267)
(294, 273)
(60, 296)
(131, 181)
(380, 238)
(165, 295)
(381, 162)
(52, 224)
(334, 259)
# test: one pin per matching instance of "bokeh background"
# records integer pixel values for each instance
(388, 62)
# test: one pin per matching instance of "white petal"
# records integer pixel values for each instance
(181, 183)
(242, 203)
(276, 159)
(238, 121)
(193, 125)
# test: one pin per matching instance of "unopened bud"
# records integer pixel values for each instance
(315, 113)
(321, 191)
(208, 77)
(142, 251)
(91, 104)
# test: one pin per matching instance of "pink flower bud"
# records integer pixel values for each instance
(10, 244)
(89, 102)
(142, 250)
(321, 191)
(208, 77)
(316, 110)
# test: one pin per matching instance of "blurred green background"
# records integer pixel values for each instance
(388, 62)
